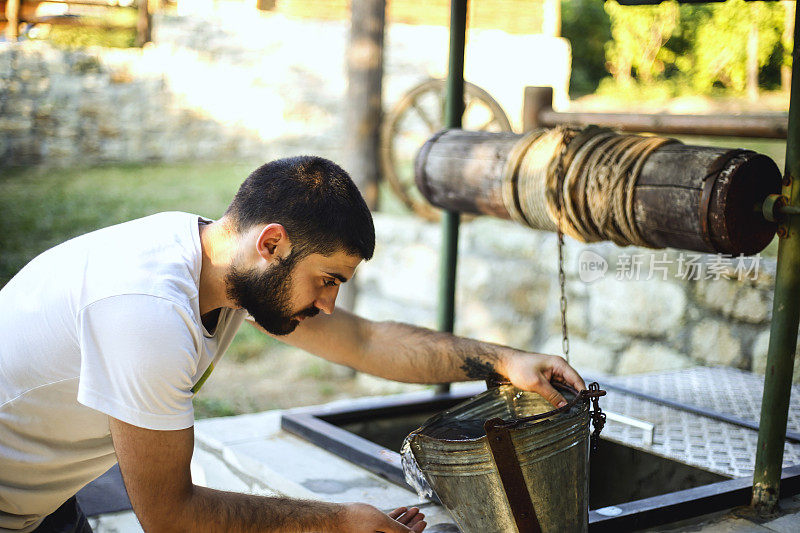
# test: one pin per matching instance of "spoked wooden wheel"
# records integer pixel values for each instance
(415, 118)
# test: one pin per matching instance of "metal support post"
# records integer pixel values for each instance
(785, 315)
(454, 109)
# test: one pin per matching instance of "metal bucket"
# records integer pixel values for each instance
(505, 461)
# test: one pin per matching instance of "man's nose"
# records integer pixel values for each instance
(327, 300)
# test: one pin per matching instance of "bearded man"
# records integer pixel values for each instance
(105, 338)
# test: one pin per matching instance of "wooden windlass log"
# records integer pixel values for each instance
(672, 195)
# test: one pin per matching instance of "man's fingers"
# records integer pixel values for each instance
(413, 520)
(418, 527)
(572, 378)
(397, 512)
(407, 515)
(550, 394)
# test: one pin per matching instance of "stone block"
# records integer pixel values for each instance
(113, 150)
(493, 323)
(405, 274)
(6, 64)
(644, 308)
(718, 295)
(14, 86)
(55, 150)
(577, 314)
(733, 298)
(752, 305)
(713, 342)
(643, 357)
(507, 282)
(376, 308)
(501, 238)
(15, 124)
(21, 107)
(584, 355)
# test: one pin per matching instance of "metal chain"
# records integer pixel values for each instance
(562, 284)
(562, 278)
(598, 416)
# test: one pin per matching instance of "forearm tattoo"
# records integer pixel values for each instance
(474, 368)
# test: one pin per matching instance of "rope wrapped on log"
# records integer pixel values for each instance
(630, 189)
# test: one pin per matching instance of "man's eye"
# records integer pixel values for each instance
(330, 282)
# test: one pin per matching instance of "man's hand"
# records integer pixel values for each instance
(534, 372)
(363, 518)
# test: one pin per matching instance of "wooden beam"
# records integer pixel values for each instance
(143, 24)
(12, 16)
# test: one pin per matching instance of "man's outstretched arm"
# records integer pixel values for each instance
(155, 468)
(418, 355)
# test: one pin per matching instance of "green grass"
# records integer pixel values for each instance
(212, 407)
(40, 208)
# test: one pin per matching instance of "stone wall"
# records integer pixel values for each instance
(508, 293)
(232, 82)
(62, 108)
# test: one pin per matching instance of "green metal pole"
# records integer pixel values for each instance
(785, 316)
(454, 109)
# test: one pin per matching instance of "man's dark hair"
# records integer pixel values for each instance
(314, 199)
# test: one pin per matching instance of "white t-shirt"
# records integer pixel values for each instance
(104, 324)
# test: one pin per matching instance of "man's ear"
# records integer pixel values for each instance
(273, 242)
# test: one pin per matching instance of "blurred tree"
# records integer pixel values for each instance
(719, 55)
(639, 34)
(588, 28)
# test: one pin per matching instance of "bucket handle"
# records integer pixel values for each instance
(593, 393)
(498, 433)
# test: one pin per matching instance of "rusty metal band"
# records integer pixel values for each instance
(709, 180)
(507, 463)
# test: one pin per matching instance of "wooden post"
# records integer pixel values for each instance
(265, 5)
(363, 107)
(143, 24)
(537, 99)
(12, 16)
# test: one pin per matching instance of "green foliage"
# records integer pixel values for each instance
(638, 36)
(69, 37)
(587, 26)
(84, 36)
(698, 47)
(723, 31)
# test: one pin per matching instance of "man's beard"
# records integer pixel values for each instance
(267, 295)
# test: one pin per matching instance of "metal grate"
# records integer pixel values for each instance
(714, 445)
